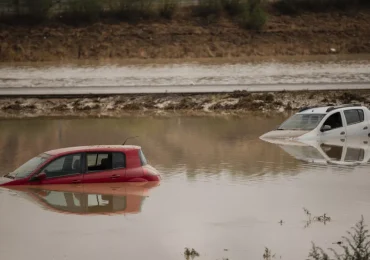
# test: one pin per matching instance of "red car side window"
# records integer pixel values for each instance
(65, 165)
(99, 161)
(119, 160)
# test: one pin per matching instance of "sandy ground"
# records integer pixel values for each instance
(237, 102)
(185, 38)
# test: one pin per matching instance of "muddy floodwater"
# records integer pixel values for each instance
(223, 192)
(329, 69)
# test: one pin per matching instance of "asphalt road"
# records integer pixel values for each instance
(112, 90)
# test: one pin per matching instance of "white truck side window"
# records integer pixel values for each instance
(354, 116)
(335, 121)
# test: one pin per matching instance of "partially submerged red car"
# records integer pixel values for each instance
(84, 164)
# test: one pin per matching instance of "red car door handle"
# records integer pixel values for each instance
(115, 176)
(76, 181)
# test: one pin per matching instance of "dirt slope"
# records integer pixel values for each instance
(306, 34)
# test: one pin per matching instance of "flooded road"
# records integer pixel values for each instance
(223, 192)
(330, 69)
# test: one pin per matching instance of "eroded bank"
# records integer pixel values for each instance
(237, 102)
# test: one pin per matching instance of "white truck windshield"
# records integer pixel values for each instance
(302, 122)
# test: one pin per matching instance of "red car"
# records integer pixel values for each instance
(84, 164)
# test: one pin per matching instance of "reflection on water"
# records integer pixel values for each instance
(354, 150)
(260, 72)
(223, 188)
(89, 199)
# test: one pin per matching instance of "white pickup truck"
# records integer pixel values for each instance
(321, 123)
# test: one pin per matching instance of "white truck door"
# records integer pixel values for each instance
(336, 125)
(356, 122)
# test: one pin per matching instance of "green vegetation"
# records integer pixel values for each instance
(253, 17)
(83, 10)
(208, 8)
(38, 8)
(133, 10)
(87, 11)
(249, 14)
(234, 7)
(168, 8)
(293, 7)
(355, 247)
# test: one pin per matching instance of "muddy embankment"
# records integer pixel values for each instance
(189, 37)
(238, 102)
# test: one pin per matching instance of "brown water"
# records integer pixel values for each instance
(327, 69)
(222, 188)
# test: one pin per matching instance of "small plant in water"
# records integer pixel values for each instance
(308, 213)
(355, 247)
(190, 253)
(324, 218)
(267, 254)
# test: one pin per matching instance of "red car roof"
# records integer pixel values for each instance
(94, 148)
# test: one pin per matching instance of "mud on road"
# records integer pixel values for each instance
(233, 103)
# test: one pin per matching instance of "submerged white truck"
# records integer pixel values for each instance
(321, 123)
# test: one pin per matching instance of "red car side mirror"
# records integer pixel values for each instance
(39, 177)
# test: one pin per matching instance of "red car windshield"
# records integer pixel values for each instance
(26, 169)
